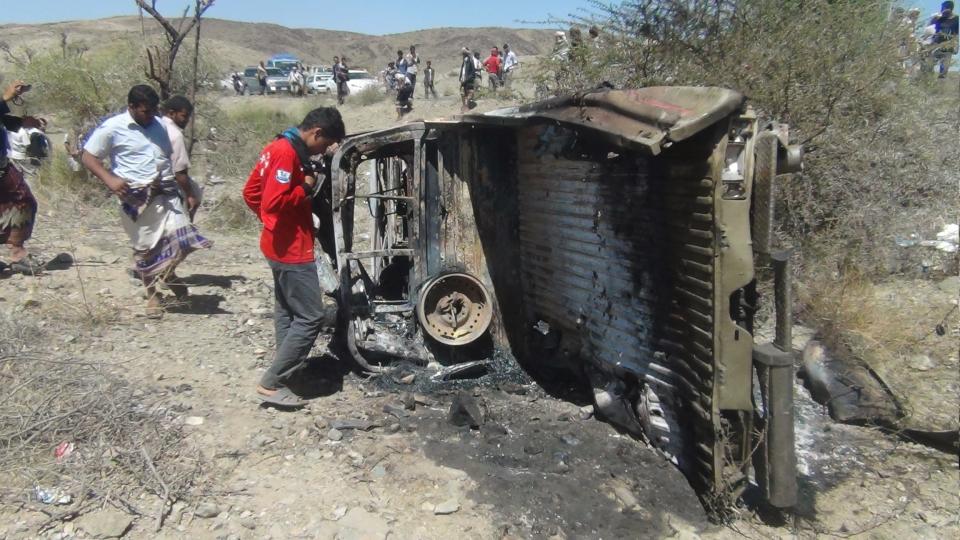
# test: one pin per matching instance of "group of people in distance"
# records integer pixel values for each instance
(500, 67)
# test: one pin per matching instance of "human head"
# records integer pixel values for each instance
(946, 8)
(321, 128)
(179, 109)
(428, 63)
(391, 65)
(399, 52)
(465, 52)
(494, 51)
(261, 63)
(413, 49)
(506, 48)
(476, 54)
(142, 103)
(594, 32)
(336, 59)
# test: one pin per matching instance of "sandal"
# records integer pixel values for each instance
(282, 398)
(27, 266)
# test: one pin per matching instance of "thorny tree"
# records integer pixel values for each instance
(160, 62)
(829, 68)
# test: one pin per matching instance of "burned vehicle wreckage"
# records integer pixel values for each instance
(613, 232)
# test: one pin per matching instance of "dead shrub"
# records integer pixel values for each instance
(124, 442)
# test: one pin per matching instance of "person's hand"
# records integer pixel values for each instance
(331, 150)
(310, 181)
(116, 185)
(14, 90)
(192, 203)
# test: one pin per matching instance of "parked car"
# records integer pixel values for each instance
(317, 82)
(360, 79)
(276, 80)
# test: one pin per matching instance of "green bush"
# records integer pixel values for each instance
(876, 143)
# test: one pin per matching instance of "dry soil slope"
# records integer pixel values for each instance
(237, 44)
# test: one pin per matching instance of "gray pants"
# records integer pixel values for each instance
(298, 317)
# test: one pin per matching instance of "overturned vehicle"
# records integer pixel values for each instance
(614, 233)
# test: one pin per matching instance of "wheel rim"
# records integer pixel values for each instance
(455, 309)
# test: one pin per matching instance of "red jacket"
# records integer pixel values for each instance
(277, 195)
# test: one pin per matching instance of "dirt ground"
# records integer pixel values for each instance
(539, 467)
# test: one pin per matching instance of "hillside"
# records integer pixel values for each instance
(236, 44)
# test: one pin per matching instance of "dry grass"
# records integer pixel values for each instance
(845, 306)
(368, 96)
(230, 213)
(127, 443)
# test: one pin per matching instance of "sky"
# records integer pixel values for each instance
(366, 16)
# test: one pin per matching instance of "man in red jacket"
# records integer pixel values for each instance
(280, 191)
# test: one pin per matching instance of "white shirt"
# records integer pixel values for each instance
(178, 155)
(136, 153)
(411, 63)
(510, 61)
(18, 141)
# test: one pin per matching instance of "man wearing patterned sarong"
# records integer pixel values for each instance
(18, 208)
(153, 213)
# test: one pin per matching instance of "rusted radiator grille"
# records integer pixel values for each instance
(618, 255)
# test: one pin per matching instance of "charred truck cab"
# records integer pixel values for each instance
(613, 231)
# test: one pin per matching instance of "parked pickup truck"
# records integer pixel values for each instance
(276, 81)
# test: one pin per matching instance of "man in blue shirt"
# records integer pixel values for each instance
(945, 25)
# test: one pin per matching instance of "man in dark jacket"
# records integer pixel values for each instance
(280, 190)
(946, 25)
(468, 78)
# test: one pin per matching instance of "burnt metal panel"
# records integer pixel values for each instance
(604, 246)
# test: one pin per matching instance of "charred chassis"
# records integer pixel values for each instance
(612, 232)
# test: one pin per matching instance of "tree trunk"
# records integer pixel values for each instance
(193, 87)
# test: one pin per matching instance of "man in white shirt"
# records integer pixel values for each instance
(142, 177)
(176, 116)
(413, 61)
(510, 63)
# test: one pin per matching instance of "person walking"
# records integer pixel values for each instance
(946, 25)
(279, 191)
(413, 66)
(468, 80)
(262, 78)
(18, 207)
(142, 178)
(401, 62)
(429, 77)
(510, 63)
(492, 66)
(404, 100)
(176, 116)
(341, 74)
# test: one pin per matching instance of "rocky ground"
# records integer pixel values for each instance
(373, 458)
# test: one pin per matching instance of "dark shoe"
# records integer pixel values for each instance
(28, 265)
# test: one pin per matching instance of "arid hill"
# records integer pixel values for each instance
(238, 44)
